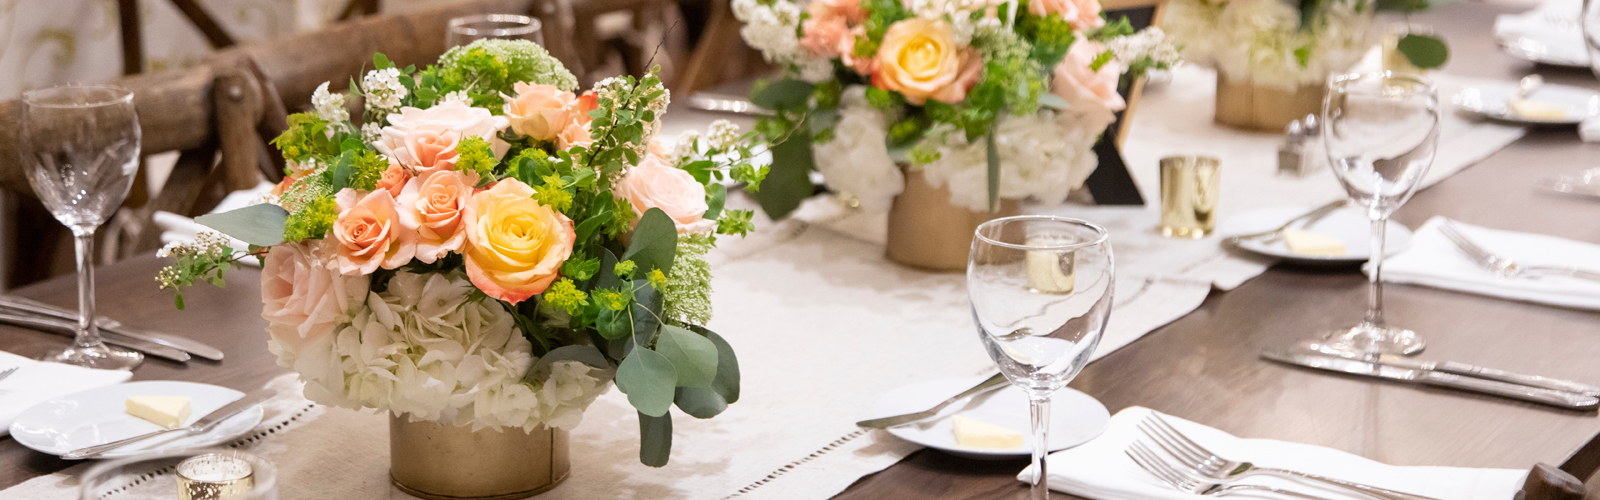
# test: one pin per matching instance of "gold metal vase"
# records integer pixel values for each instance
(927, 232)
(444, 462)
(1261, 108)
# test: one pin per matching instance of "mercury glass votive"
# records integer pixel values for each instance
(188, 474)
(215, 476)
(1190, 188)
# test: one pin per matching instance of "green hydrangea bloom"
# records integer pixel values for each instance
(687, 294)
(522, 61)
(312, 220)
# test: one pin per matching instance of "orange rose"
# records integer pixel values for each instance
(394, 179)
(370, 233)
(586, 103)
(540, 111)
(435, 202)
(515, 246)
(919, 58)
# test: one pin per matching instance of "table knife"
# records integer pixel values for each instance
(204, 425)
(188, 345)
(1480, 372)
(1434, 378)
(995, 382)
(70, 329)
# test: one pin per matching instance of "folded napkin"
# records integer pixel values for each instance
(177, 228)
(1434, 260)
(1101, 470)
(38, 381)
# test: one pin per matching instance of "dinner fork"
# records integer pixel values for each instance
(8, 371)
(1504, 266)
(1188, 481)
(1210, 465)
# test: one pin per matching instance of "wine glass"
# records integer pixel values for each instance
(1040, 288)
(1380, 130)
(212, 474)
(465, 30)
(81, 147)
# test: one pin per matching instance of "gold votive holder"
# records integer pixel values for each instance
(215, 476)
(1190, 188)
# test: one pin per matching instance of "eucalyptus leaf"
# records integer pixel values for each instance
(694, 357)
(586, 354)
(1053, 101)
(606, 277)
(613, 324)
(648, 379)
(700, 402)
(655, 439)
(1423, 51)
(788, 180)
(260, 225)
(646, 309)
(783, 94)
(716, 197)
(726, 382)
(655, 243)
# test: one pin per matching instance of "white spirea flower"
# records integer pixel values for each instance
(773, 29)
(856, 163)
(329, 106)
(383, 89)
(459, 96)
(1044, 156)
(687, 148)
(1150, 42)
(722, 135)
(371, 132)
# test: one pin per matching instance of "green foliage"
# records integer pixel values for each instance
(625, 269)
(655, 242)
(700, 402)
(565, 295)
(1101, 60)
(580, 268)
(782, 95)
(486, 69)
(203, 260)
(687, 292)
(1423, 51)
(366, 168)
(553, 193)
(305, 138)
(312, 220)
(614, 300)
(884, 100)
(786, 185)
(1052, 36)
(260, 225)
(881, 15)
(476, 155)
(738, 221)
(693, 357)
(655, 439)
(648, 378)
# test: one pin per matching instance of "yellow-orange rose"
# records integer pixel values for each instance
(920, 59)
(515, 246)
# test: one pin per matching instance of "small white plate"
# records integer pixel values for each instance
(1346, 224)
(1075, 418)
(1490, 101)
(100, 416)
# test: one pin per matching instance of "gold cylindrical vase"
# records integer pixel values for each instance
(445, 462)
(1263, 108)
(928, 232)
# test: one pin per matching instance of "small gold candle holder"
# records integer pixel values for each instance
(215, 476)
(1190, 188)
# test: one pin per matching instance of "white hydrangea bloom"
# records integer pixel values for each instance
(329, 106)
(1044, 156)
(383, 89)
(856, 163)
(1257, 40)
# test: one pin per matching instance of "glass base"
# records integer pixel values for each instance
(1370, 339)
(102, 357)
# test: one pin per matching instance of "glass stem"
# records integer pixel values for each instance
(1375, 279)
(1039, 413)
(88, 332)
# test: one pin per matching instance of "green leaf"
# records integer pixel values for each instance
(1053, 101)
(256, 224)
(993, 155)
(693, 356)
(701, 170)
(727, 381)
(655, 242)
(648, 379)
(716, 197)
(700, 402)
(613, 324)
(789, 180)
(1424, 51)
(646, 309)
(784, 94)
(655, 439)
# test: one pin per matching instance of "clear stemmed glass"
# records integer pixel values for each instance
(465, 30)
(1380, 130)
(81, 147)
(1040, 288)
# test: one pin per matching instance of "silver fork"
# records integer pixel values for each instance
(1211, 465)
(1187, 480)
(1309, 217)
(1504, 266)
(7, 373)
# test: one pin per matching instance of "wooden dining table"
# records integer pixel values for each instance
(1203, 367)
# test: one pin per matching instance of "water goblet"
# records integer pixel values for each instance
(81, 149)
(465, 30)
(1041, 289)
(1380, 131)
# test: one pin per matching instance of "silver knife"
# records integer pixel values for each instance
(1429, 377)
(1470, 371)
(202, 426)
(995, 382)
(712, 101)
(70, 328)
(110, 325)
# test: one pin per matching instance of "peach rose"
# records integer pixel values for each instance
(826, 35)
(515, 246)
(371, 233)
(302, 297)
(1092, 93)
(540, 111)
(395, 178)
(575, 135)
(864, 66)
(434, 202)
(1081, 14)
(395, 139)
(920, 59)
(432, 151)
(653, 184)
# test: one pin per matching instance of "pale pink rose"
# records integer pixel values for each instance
(302, 297)
(1091, 93)
(456, 117)
(515, 246)
(826, 35)
(1081, 14)
(433, 151)
(540, 111)
(660, 150)
(371, 232)
(435, 203)
(653, 184)
(575, 135)
(394, 179)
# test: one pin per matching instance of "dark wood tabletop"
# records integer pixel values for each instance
(1203, 367)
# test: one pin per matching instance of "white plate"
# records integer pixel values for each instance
(100, 416)
(1490, 101)
(1547, 34)
(1346, 224)
(1075, 418)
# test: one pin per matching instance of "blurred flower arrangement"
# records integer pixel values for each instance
(995, 99)
(491, 249)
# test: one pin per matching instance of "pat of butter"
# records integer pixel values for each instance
(975, 433)
(1309, 243)
(165, 411)
(1536, 110)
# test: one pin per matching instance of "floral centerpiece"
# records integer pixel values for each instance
(991, 99)
(489, 249)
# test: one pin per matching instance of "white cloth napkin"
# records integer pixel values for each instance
(1101, 470)
(1434, 260)
(37, 381)
(176, 227)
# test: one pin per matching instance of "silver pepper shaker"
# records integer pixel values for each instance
(1291, 154)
